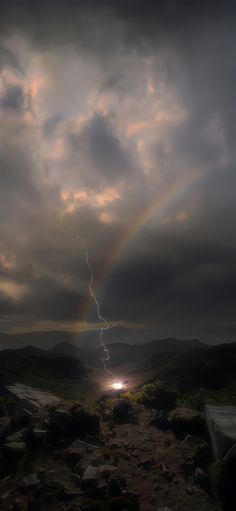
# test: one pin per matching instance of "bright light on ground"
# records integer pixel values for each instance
(117, 385)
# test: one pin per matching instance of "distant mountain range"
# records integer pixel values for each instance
(48, 339)
(123, 353)
(68, 368)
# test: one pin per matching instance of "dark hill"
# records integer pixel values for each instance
(123, 353)
(212, 367)
(30, 364)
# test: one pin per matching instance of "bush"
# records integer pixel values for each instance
(157, 395)
(122, 410)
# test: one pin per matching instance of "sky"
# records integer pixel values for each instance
(118, 125)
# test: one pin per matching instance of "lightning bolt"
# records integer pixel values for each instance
(105, 323)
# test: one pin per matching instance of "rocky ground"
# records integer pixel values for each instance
(62, 457)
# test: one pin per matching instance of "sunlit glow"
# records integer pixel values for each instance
(117, 385)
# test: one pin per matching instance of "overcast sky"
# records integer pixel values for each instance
(118, 124)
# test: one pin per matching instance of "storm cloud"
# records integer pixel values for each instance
(118, 124)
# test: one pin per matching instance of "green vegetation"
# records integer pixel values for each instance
(199, 397)
(155, 395)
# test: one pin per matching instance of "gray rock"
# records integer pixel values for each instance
(101, 488)
(29, 482)
(115, 488)
(73, 455)
(5, 495)
(15, 448)
(75, 479)
(4, 426)
(31, 398)
(106, 470)
(201, 478)
(90, 477)
(61, 421)
(39, 435)
(18, 436)
(21, 416)
(84, 446)
(97, 460)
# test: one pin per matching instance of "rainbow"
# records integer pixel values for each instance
(174, 193)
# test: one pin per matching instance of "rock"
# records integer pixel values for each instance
(75, 479)
(192, 441)
(69, 493)
(21, 416)
(101, 488)
(73, 456)
(97, 460)
(18, 505)
(114, 487)
(106, 470)
(60, 421)
(84, 446)
(84, 421)
(5, 495)
(31, 398)
(15, 449)
(29, 482)
(197, 450)
(123, 410)
(90, 478)
(159, 418)
(202, 479)
(18, 436)
(77, 421)
(185, 421)
(4, 426)
(39, 435)
(146, 463)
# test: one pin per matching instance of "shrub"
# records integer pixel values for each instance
(157, 395)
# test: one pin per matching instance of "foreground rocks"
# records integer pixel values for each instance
(64, 458)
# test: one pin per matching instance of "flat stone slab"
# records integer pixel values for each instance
(221, 421)
(32, 398)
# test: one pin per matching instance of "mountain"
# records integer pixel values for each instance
(48, 339)
(32, 365)
(123, 353)
(212, 367)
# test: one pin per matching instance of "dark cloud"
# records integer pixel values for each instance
(107, 106)
(14, 98)
(99, 149)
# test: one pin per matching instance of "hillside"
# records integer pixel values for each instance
(123, 353)
(212, 367)
(41, 368)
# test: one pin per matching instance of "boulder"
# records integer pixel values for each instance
(185, 421)
(159, 418)
(21, 416)
(202, 479)
(105, 471)
(73, 455)
(197, 450)
(15, 448)
(4, 426)
(31, 398)
(85, 422)
(29, 482)
(60, 421)
(76, 421)
(39, 435)
(90, 478)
